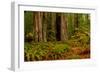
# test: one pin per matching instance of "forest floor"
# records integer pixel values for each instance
(54, 51)
(78, 53)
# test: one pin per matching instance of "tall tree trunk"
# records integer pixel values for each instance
(44, 27)
(73, 23)
(58, 27)
(53, 26)
(63, 28)
(36, 27)
(40, 25)
(76, 20)
(85, 19)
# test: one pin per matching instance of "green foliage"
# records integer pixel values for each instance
(28, 16)
(41, 51)
(80, 40)
(60, 48)
(29, 37)
(51, 36)
(70, 24)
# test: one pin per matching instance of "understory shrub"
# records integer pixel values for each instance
(44, 51)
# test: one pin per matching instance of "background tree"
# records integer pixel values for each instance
(40, 26)
(63, 28)
(44, 26)
(36, 26)
(51, 26)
